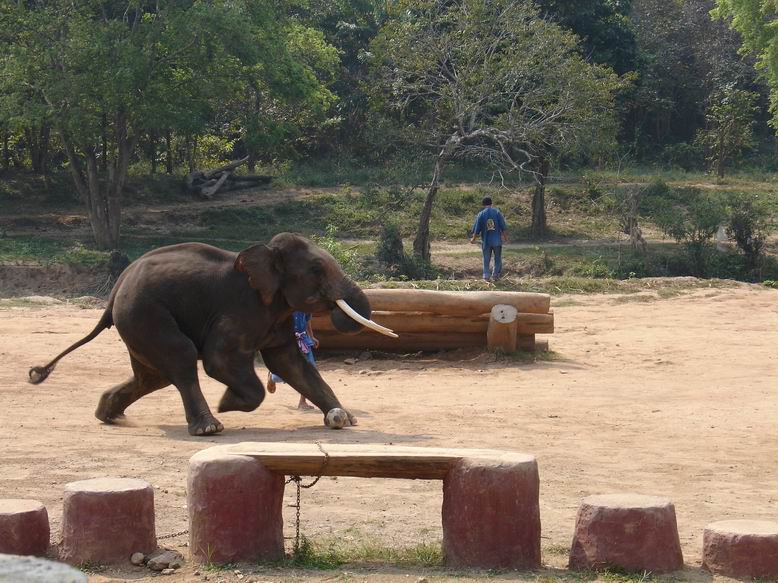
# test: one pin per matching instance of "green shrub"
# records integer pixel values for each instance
(749, 225)
(683, 155)
(347, 257)
(395, 263)
(596, 269)
(389, 249)
(693, 224)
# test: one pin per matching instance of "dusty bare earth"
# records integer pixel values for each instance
(673, 396)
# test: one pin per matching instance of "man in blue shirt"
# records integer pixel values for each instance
(490, 225)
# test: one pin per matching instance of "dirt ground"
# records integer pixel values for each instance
(673, 396)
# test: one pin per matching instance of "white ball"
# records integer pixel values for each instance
(336, 418)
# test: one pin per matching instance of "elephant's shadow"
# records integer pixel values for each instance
(308, 433)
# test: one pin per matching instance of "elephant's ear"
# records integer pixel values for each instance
(262, 266)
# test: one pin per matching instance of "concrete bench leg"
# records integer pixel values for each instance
(234, 509)
(491, 515)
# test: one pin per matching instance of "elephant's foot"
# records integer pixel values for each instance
(107, 410)
(205, 424)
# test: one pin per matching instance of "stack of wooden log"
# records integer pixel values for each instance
(432, 321)
(207, 183)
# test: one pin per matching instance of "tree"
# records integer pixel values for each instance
(349, 26)
(271, 111)
(684, 58)
(755, 21)
(604, 27)
(490, 80)
(729, 129)
(108, 72)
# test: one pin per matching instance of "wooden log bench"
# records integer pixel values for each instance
(433, 320)
(490, 513)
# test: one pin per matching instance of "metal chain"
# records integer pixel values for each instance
(173, 535)
(299, 483)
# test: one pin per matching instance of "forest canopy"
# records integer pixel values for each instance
(103, 89)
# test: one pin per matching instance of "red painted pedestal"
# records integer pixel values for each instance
(743, 549)
(106, 520)
(628, 531)
(24, 527)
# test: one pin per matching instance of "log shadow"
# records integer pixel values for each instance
(463, 359)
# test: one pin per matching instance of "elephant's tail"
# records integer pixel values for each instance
(38, 374)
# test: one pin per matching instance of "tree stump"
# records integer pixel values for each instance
(627, 531)
(235, 508)
(503, 328)
(106, 520)
(24, 527)
(743, 549)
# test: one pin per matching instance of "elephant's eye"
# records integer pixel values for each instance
(317, 270)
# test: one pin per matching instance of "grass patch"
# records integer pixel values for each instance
(559, 550)
(217, 567)
(26, 302)
(559, 285)
(331, 554)
(92, 568)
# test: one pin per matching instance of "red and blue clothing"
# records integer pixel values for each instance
(305, 343)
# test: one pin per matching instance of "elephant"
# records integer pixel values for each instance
(182, 303)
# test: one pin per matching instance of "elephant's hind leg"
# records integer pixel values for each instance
(114, 401)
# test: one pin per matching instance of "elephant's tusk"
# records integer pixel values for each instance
(352, 313)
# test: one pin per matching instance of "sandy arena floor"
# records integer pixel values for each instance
(671, 396)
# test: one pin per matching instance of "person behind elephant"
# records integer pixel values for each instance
(490, 225)
(306, 342)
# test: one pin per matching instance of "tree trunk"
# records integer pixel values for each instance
(636, 240)
(539, 200)
(38, 143)
(153, 153)
(192, 153)
(102, 198)
(6, 151)
(421, 243)
(169, 152)
(719, 162)
(252, 162)
(104, 156)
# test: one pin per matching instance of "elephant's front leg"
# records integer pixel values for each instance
(288, 362)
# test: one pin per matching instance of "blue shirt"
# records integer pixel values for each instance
(490, 224)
